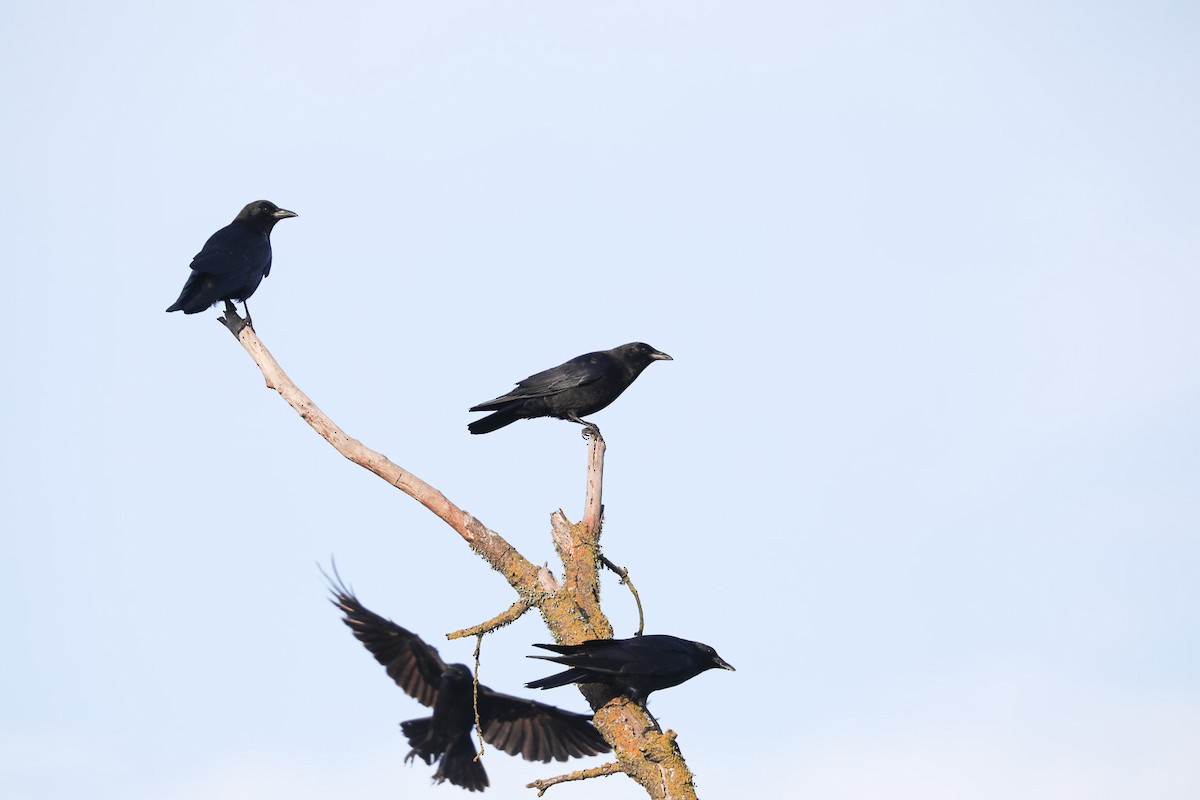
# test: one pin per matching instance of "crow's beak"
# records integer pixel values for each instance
(723, 664)
(283, 213)
(658, 355)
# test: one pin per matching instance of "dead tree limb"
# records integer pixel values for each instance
(571, 610)
(611, 768)
(506, 617)
(503, 557)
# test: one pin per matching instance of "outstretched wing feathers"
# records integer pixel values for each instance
(414, 665)
(536, 731)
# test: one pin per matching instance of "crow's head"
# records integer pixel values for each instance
(714, 660)
(263, 214)
(640, 354)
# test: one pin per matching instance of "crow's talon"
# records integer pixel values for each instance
(232, 321)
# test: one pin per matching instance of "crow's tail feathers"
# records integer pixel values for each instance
(460, 767)
(188, 305)
(561, 679)
(199, 294)
(493, 422)
(456, 764)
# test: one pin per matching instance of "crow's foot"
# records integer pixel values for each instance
(233, 322)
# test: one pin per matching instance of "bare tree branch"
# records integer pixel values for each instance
(593, 501)
(504, 558)
(506, 617)
(571, 611)
(612, 768)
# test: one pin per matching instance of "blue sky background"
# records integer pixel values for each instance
(925, 467)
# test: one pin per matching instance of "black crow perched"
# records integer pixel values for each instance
(583, 385)
(632, 667)
(233, 261)
(536, 731)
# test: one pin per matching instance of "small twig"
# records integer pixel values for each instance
(612, 768)
(506, 617)
(623, 572)
(475, 697)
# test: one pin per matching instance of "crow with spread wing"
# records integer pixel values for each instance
(533, 730)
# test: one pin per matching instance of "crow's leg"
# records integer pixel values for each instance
(641, 703)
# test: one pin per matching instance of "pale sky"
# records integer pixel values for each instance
(925, 467)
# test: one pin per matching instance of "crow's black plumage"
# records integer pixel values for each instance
(632, 667)
(233, 261)
(583, 385)
(536, 731)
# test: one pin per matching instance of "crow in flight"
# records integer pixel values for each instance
(583, 385)
(536, 731)
(632, 667)
(233, 261)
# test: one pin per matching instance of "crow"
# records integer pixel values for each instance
(632, 667)
(536, 731)
(583, 385)
(233, 261)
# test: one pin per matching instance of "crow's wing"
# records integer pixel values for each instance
(536, 731)
(414, 665)
(579, 371)
(236, 249)
(653, 654)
